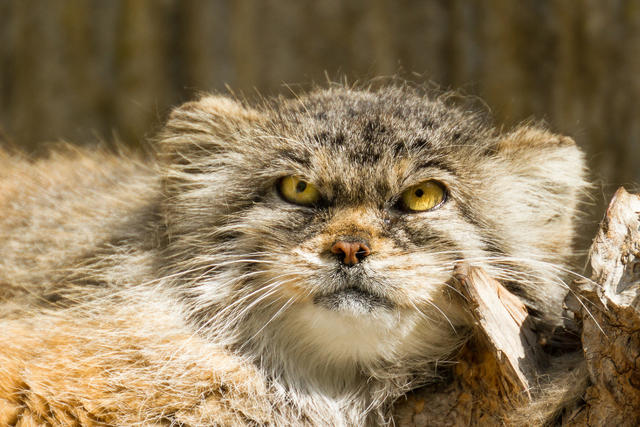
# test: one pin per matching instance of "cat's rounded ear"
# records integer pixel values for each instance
(553, 159)
(546, 182)
(526, 137)
(206, 126)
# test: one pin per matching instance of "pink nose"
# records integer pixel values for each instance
(350, 252)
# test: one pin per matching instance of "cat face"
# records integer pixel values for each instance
(340, 217)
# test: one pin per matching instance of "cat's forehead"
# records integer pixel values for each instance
(393, 122)
(364, 139)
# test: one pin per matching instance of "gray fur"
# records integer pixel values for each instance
(206, 227)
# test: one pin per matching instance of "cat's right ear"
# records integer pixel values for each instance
(207, 126)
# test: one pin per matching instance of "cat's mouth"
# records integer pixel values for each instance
(354, 300)
(352, 291)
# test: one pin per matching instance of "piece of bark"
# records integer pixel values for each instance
(496, 369)
(504, 328)
(609, 306)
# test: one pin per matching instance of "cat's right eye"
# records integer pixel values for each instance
(422, 197)
(295, 190)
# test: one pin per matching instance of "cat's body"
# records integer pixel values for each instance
(193, 289)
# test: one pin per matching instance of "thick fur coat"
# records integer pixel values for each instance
(187, 290)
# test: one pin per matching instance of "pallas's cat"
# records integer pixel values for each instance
(283, 263)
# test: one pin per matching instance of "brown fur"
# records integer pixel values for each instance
(182, 290)
(121, 366)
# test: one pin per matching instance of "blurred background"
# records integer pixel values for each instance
(90, 70)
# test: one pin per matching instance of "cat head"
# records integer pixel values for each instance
(332, 222)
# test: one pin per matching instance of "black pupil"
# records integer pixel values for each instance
(300, 186)
(419, 192)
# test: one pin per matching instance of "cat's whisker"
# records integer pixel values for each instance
(230, 307)
(266, 287)
(266, 291)
(284, 307)
(442, 313)
(221, 323)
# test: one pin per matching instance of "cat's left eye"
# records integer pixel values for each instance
(295, 190)
(425, 196)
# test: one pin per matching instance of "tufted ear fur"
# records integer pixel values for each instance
(545, 185)
(541, 183)
(550, 179)
(200, 149)
(204, 127)
(554, 160)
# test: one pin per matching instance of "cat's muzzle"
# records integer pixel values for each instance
(350, 289)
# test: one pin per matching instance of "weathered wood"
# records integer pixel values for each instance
(610, 313)
(504, 327)
(495, 371)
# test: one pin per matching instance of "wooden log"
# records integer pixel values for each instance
(496, 369)
(504, 328)
(609, 306)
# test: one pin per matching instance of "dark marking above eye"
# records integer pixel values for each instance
(339, 139)
(301, 186)
(321, 137)
(371, 128)
(364, 157)
(433, 163)
(420, 143)
(298, 157)
(376, 126)
(327, 138)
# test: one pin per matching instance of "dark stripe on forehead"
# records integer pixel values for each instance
(326, 138)
(436, 163)
(302, 158)
(372, 129)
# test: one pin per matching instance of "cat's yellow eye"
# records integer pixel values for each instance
(295, 190)
(424, 196)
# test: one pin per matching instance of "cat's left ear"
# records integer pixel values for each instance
(207, 126)
(553, 159)
(545, 185)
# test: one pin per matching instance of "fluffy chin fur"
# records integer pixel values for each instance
(332, 344)
(186, 290)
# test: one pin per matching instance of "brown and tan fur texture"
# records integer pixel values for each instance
(183, 289)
